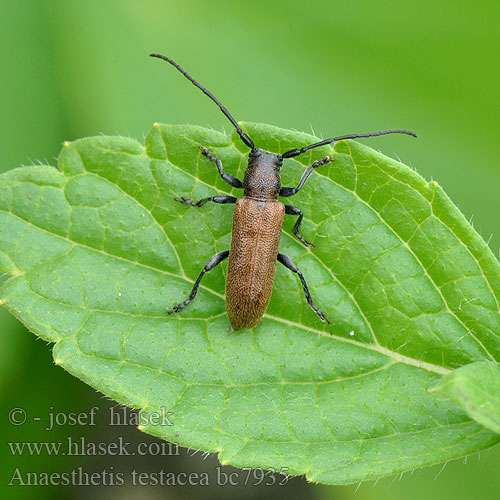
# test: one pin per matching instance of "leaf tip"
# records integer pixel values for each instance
(437, 388)
(156, 125)
(57, 361)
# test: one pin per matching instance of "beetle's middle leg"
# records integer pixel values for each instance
(222, 198)
(230, 179)
(292, 210)
(290, 264)
(216, 259)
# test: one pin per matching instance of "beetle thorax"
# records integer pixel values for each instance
(262, 177)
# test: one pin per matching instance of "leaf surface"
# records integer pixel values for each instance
(476, 389)
(98, 251)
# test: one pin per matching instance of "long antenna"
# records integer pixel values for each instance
(244, 137)
(296, 152)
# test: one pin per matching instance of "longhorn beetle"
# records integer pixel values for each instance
(257, 222)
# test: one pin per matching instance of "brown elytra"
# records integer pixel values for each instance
(252, 259)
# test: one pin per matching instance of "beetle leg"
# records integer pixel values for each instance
(289, 191)
(230, 179)
(290, 264)
(216, 259)
(216, 199)
(291, 210)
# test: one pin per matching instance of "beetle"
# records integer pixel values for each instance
(257, 222)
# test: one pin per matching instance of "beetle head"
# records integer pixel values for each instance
(263, 157)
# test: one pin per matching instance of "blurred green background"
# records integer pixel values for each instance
(73, 68)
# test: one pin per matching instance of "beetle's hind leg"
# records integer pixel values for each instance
(216, 259)
(230, 179)
(290, 264)
(223, 198)
(292, 210)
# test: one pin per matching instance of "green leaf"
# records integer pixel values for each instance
(99, 251)
(476, 389)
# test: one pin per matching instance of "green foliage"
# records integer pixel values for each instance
(475, 388)
(99, 251)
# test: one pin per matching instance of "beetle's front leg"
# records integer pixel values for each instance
(289, 191)
(230, 179)
(292, 210)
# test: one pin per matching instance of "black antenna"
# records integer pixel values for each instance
(296, 152)
(244, 137)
